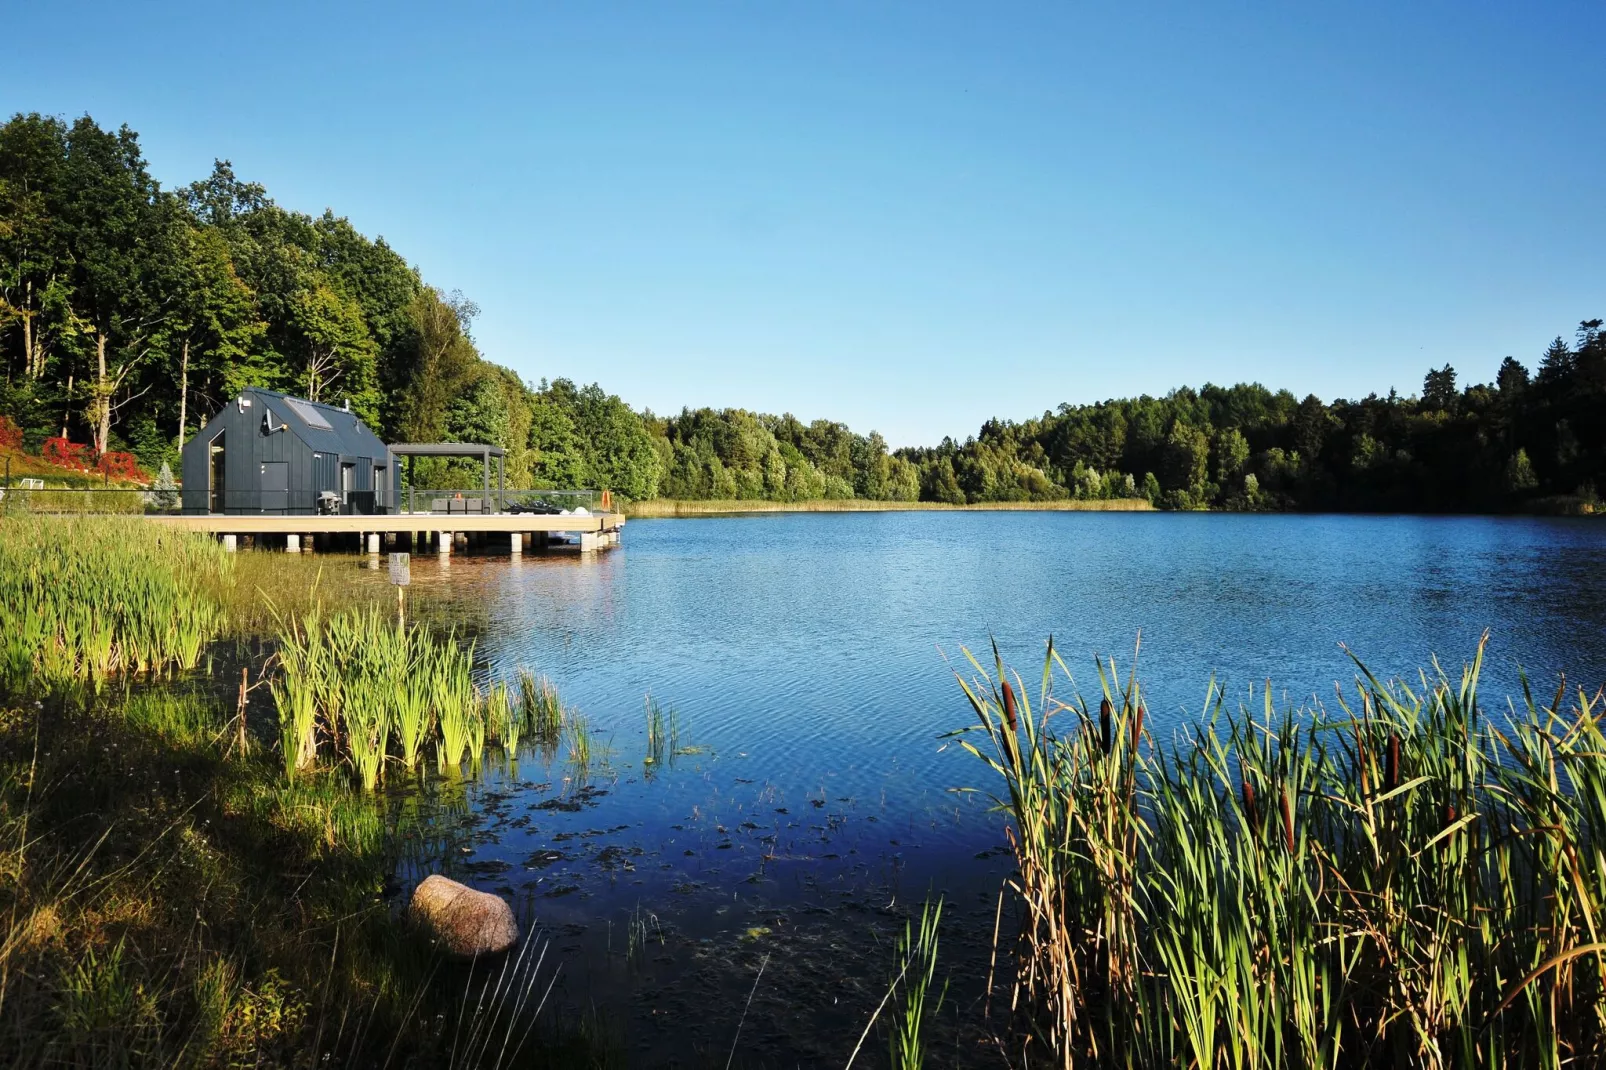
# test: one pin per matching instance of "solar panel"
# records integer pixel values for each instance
(308, 413)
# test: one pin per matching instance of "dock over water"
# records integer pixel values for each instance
(417, 532)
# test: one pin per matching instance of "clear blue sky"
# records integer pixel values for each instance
(908, 216)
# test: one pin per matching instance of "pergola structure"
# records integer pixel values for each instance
(458, 449)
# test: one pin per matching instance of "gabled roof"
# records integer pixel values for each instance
(344, 433)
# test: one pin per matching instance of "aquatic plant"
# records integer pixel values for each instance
(657, 744)
(578, 732)
(541, 707)
(1398, 878)
(505, 719)
(475, 736)
(294, 691)
(369, 680)
(917, 958)
(84, 599)
(415, 714)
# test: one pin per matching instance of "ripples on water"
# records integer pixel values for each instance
(805, 657)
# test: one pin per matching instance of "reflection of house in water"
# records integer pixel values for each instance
(267, 452)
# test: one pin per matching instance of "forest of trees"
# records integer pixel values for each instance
(129, 313)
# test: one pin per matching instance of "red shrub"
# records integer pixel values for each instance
(66, 454)
(10, 434)
(123, 466)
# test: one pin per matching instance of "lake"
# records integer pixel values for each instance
(808, 660)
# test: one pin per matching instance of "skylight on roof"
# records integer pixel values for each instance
(311, 415)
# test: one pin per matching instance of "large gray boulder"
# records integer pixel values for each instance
(463, 922)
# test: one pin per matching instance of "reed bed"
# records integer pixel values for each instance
(504, 717)
(1399, 879)
(81, 601)
(542, 710)
(663, 734)
(369, 689)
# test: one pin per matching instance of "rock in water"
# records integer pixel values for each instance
(464, 922)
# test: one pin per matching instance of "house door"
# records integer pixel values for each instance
(216, 498)
(275, 486)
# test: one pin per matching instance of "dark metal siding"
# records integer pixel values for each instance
(248, 446)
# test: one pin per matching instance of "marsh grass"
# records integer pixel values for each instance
(642, 928)
(262, 587)
(376, 687)
(84, 600)
(168, 903)
(1399, 878)
(542, 710)
(583, 749)
(504, 717)
(663, 734)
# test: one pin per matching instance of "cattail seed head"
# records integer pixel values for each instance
(1104, 723)
(1009, 706)
(1361, 757)
(1288, 821)
(1393, 767)
(1249, 806)
(1449, 814)
(1137, 725)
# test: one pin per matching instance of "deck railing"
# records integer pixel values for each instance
(457, 501)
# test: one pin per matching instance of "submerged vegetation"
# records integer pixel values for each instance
(1403, 879)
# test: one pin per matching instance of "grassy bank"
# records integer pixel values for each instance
(1402, 879)
(664, 507)
(170, 902)
(178, 891)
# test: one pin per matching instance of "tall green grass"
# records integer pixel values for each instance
(663, 733)
(83, 600)
(375, 688)
(504, 717)
(917, 956)
(1398, 879)
(542, 711)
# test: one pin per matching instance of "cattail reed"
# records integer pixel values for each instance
(1011, 720)
(1105, 711)
(1249, 804)
(1137, 726)
(1190, 944)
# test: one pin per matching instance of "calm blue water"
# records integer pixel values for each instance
(807, 658)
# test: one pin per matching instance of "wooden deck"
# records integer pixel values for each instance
(415, 531)
(265, 524)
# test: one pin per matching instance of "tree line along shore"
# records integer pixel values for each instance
(130, 312)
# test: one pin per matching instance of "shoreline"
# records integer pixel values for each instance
(677, 507)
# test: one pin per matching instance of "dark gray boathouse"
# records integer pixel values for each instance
(269, 453)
